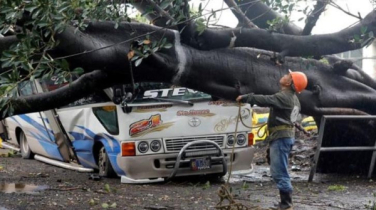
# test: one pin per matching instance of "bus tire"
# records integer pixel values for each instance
(104, 165)
(25, 148)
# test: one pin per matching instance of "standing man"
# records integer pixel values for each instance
(284, 111)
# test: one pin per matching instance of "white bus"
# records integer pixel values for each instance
(162, 132)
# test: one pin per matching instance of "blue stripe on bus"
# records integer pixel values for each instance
(83, 148)
(78, 136)
(48, 146)
(43, 137)
(14, 118)
(45, 119)
(112, 152)
(38, 126)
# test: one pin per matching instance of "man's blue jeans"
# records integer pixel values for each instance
(279, 160)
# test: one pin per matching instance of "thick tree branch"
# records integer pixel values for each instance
(159, 10)
(142, 6)
(84, 86)
(314, 16)
(115, 45)
(186, 9)
(339, 111)
(315, 45)
(7, 41)
(260, 13)
(227, 68)
(341, 67)
(239, 14)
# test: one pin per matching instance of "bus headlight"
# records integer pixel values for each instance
(155, 145)
(230, 140)
(143, 147)
(241, 139)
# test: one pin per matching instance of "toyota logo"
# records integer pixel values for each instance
(194, 122)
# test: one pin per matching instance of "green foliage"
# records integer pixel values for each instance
(324, 60)
(107, 188)
(200, 25)
(245, 186)
(92, 202)
(6, 107)
(106, 205)
(206, 185)
(277, 23)
(336, 188)
(141, 19)
(371, 203)
(176, 8)
(284, 7)
(144, 48)
(365, 38)
(30, 59)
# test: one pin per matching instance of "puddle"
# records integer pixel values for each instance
(21, 188)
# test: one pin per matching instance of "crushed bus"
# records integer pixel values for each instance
(159, 133)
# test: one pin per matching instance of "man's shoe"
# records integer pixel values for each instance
(286, 200)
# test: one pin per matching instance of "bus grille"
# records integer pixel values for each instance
(176, 144)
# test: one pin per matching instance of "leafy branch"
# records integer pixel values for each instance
(142, 49)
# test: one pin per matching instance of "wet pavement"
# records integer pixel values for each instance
(262, 174)
(23, 185)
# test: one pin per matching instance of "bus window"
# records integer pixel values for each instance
(107, 116)
(26, 88)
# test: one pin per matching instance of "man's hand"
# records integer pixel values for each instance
(239, 98)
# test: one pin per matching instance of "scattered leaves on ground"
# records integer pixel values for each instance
(336, 188)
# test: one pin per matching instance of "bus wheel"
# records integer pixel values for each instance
(25, 149)
(104, 164)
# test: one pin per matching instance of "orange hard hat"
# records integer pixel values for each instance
(299, 80)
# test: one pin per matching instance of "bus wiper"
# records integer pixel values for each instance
(173, 101)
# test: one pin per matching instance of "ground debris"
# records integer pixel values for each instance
(158, 208)
(296, 168)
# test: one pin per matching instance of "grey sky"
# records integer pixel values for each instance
(332, 19)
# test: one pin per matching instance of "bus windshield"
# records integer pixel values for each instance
(148, 92)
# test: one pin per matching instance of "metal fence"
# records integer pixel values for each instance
(320, 148)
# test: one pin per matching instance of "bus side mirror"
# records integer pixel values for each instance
(118, 94)
(126, 109)
(124, 104)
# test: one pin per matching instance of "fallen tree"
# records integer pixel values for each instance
(62, 37)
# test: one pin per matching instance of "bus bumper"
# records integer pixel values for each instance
(156, 168)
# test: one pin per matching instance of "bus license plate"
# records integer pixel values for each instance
(200, 163)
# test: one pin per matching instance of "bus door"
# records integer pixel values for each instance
(52, 123)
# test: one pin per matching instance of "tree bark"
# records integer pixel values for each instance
(259, 13)
(314, 16)
(239, 14)
(85, 85)
(224, 73)
(315, 45)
